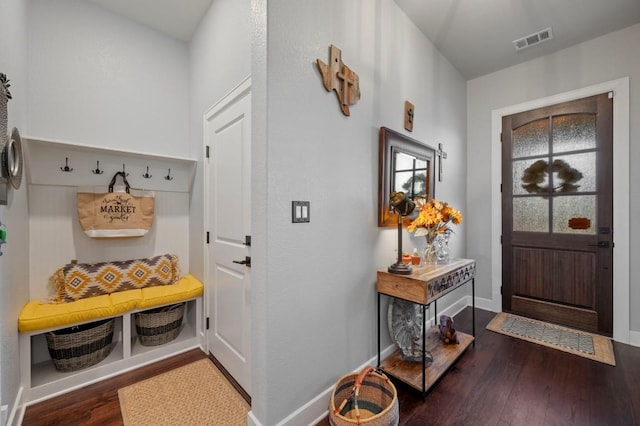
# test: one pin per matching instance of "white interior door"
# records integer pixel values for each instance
(227, 134)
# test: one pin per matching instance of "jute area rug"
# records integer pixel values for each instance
(195, 394)
(587, 345)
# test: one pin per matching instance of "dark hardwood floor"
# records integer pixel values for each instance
(507, 381)
(500, 381)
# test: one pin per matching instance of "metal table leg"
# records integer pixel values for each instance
(424, 351)
(378, 330)
(473, 309)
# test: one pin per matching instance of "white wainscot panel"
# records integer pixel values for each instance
(55, 236)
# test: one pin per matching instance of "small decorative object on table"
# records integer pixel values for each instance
(415, 257)
(403, 207)
(433, 220)
(447, 332)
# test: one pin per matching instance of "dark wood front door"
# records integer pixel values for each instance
(557, 210)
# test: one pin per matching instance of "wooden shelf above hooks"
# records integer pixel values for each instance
(45, 157)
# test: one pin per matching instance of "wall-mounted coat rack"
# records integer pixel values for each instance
(97, 170)
(84, 165)
(66, 167)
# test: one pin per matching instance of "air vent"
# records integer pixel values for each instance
(533, 39)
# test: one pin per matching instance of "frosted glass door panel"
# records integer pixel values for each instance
(530, 177)
(531, 139)
(574, 132)
(531, 214)
(574, 173)
(571, 214)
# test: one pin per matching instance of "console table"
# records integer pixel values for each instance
(426, 285)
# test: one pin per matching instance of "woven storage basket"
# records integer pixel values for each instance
(80, 346)
(368, 398)
(160, 325)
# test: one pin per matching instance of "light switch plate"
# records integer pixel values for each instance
(300, 211)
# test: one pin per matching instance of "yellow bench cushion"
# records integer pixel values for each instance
(39, 316)
(186, 288)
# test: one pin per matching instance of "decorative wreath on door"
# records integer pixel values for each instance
(534, 176)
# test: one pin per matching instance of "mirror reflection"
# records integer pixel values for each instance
(406, 165)
(409, 174)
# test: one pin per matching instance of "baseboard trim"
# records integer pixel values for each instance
(485, 304)
(251, 420)
(17, 411)
(317, 408)
(634, 338)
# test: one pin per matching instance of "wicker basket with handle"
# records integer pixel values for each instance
(368, 398)
(159, 326)
(82, 346)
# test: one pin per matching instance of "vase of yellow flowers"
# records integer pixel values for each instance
(433, 222)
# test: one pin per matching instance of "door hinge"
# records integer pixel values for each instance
(206, 151)
(208, 318)
(500, 239)
(500, 137)
(207, 325)
(501, 188)
(207, 237)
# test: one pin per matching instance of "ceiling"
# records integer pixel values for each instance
(475, 35)
(176, 18)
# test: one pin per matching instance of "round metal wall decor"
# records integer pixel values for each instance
(12, 159)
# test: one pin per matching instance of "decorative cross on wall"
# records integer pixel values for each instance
(340, 78)
(441, 154)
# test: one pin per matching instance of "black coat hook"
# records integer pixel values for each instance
(123, 172)
(147, 175)
(97, 170)
(66, 167)
(168, 176)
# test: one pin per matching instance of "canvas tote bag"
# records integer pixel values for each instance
(120, 213)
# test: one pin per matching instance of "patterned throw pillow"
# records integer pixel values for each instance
(82, 280)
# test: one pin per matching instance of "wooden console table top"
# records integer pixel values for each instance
(427, 283)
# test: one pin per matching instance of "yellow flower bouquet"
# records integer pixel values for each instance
(433, 219)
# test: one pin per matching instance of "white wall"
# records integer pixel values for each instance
(600, 60)
(14, 263)
(219, 59)
(56, 236)
(99, 79)
(314, 302)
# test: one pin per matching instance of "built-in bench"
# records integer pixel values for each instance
(40, 380)
(37, 316)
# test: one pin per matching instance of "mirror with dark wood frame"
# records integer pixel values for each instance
(406, 165)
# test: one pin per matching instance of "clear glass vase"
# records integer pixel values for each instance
(430, 253)
(442, 248)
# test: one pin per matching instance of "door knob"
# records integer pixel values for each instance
(246, 261)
